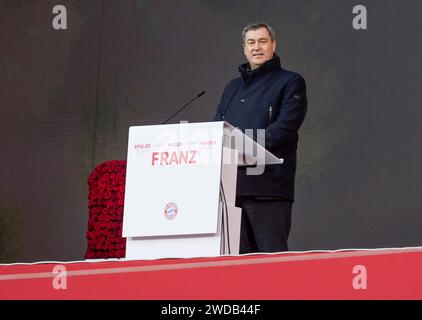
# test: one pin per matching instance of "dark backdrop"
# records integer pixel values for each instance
(68, 97)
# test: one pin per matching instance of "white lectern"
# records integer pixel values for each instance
(181, 188)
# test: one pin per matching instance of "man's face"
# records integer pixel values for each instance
(258, 47)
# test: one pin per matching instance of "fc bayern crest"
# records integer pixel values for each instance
(170, 211)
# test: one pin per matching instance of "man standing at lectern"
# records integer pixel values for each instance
(265, 96)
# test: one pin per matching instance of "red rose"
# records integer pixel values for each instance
(109, 204)
(107, 195)
(89, 255)
(102, 182)
(105, 202)
(109, 224)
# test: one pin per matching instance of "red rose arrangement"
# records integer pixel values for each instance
(106, 199)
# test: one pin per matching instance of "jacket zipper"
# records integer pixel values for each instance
(271, 113)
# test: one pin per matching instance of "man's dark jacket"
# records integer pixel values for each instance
(274, 99)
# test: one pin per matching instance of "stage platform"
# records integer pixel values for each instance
(345, 274)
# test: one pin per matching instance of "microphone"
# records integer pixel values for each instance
(198, 96)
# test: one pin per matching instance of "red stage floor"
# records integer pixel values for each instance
(352, 274)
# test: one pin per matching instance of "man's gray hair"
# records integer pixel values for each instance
(256, 26)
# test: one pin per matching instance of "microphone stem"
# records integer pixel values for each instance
(199, 95)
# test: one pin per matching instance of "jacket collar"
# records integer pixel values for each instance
(272, 64)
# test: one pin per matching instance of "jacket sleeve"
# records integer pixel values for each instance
(291, 115)
(219, 113)
(224, 101)
(217, 116)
